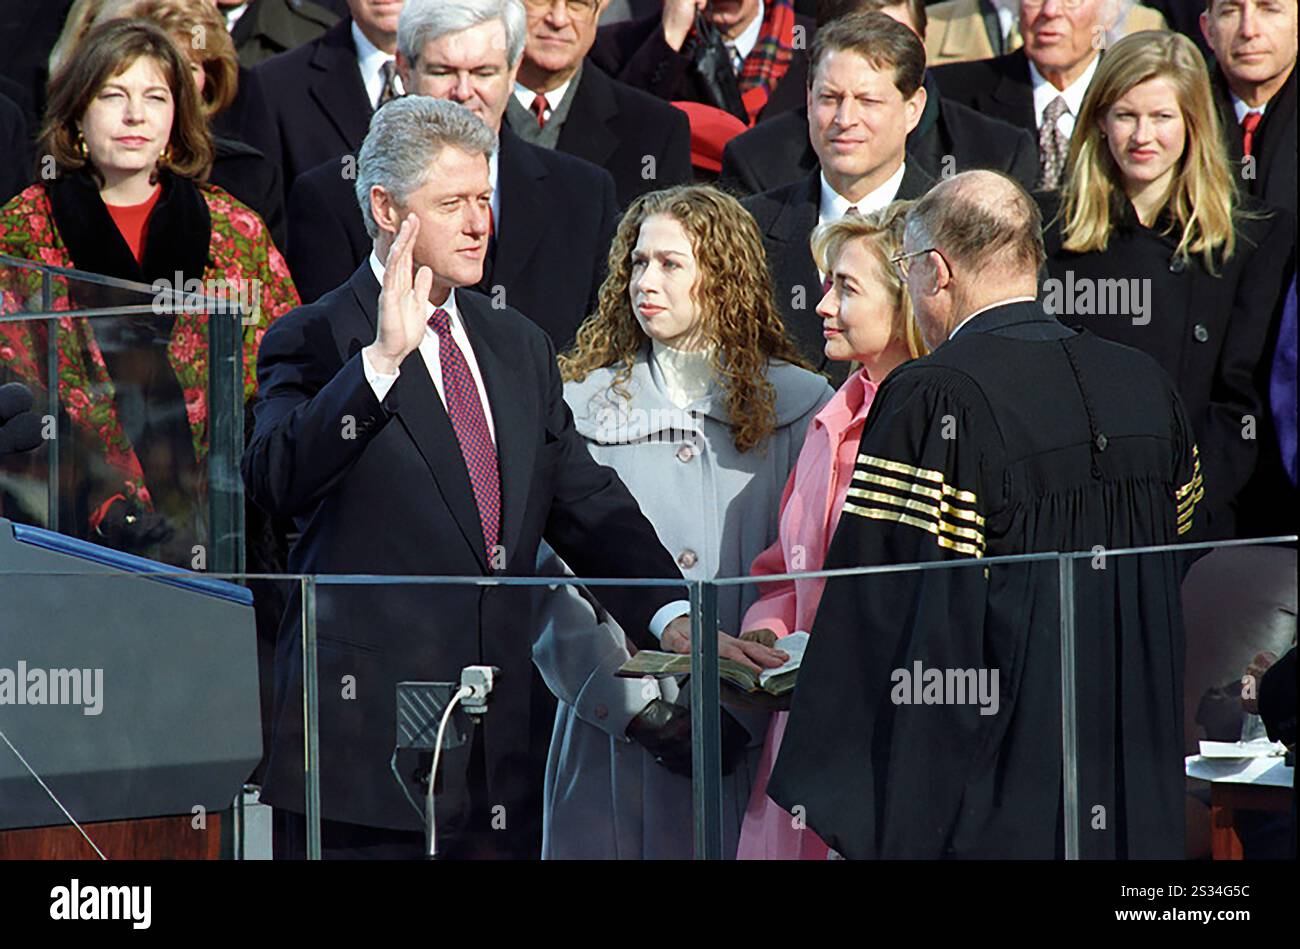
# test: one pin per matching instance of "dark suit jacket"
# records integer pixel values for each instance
(248, 120)
(787, 216)
(1274, 147)
(396, 499)
(614, 126)
(778, 151)
(634, 52)
(270, 27)
(245, 173)
(316, 99)
(557, 219)
(999, 88)
(1208, 332)
(28, 31)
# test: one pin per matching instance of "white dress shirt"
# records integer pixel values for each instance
(834, 206)
(524, 96)
(1045, 93)
(744, 44)
(984, 309)
(232, 15)
(370, 60)
(1241, 108)
(381, 382)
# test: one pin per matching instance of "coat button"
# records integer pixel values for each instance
(602, 712)
(685, 453)
(1200, 333)
(1178, 264)
(686, 559)
(1100, 442)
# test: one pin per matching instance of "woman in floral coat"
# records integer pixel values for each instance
(131, 152)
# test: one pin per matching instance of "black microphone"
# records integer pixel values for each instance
(15, 398)
(20, 433)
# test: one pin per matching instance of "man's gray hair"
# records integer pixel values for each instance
(405, 138)
(425, 20)
(980, 220)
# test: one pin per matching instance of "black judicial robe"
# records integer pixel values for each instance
(1018, 435)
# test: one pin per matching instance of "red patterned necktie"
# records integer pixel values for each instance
(470, 424)
(1249, 122)
(540, 106)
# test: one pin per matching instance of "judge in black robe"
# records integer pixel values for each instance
(1016, 435)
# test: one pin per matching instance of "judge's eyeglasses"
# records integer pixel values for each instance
(902, 262)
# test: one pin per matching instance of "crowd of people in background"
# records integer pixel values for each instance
(702, 208)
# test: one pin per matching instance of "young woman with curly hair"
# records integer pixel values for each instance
(685, 382)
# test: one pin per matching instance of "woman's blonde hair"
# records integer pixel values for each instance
(882, 233)
(1203, 200)
(733, 291)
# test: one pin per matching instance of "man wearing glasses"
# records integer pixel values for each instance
(927, 721)
(564, 103)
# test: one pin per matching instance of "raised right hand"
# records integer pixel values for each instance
(679, 17)
(403, 303)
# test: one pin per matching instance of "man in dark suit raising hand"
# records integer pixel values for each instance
(418, 430)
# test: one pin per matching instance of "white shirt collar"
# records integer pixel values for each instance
(448, 306)
(748, 39)
(524, 95)
(985, 309)
(834, 205)
(232, 15)
(370, 61)
(1045, 92)
(1006, 21)
(1241, 108)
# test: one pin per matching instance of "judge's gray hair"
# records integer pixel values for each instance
(405, 138)
(425, 20)
(980, 220)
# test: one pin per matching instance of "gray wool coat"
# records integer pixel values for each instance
(715, 509)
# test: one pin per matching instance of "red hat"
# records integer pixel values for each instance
(711, 130)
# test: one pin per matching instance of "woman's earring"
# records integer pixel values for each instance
(82, 149)
(165, 158)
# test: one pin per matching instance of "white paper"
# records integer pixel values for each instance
(1271, 772)
(1258, 748)
(794, 645)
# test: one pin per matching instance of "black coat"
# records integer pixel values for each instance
(778, 151)
(28, 31)
(999, 88)
(634, 52)
(786, 217)
(15, 150)
(248, 120)
(396, 499)
(616, 127)
(249, 176)
(557, 219)
(316, 100)
(270, 27)
(1209, 333)
(1274, 148)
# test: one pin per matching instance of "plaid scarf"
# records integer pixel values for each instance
(768, 61)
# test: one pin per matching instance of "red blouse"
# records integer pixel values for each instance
(132, 221)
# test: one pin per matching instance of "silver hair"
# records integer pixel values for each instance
(425, 20)
(405, 138)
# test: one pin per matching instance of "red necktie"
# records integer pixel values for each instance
(540, 106)
(470, 424)
(1249, 122)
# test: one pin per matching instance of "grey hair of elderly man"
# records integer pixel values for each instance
(974, 240)
(425, 20)
(405, 137)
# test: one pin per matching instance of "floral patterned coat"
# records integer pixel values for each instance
(240, 252)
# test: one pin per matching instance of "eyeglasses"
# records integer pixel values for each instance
(578, 9)
(900, 261)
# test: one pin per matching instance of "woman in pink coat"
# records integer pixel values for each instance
(867, 318)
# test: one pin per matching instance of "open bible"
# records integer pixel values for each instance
(777, 681)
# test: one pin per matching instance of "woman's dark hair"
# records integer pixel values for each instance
(107, 51)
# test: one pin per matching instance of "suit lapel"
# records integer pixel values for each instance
(337, 87)
(516, 436)
(794, 265)
(1015, 92)
(916, 182)
(426, 421)
(524, 208)
(586, 132)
